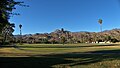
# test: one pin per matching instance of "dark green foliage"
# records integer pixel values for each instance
(114, 40)
(100, 40)
(107, 38)
(100, 21)
(6, 8)
(7, 32)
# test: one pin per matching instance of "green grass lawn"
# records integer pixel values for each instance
(61, 56)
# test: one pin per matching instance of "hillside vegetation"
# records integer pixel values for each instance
(64, 36)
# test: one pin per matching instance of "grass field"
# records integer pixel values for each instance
(61, 56)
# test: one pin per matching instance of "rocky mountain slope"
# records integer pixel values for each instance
(72, 37)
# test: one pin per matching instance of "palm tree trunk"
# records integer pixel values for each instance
(20, 36)
(101, 27)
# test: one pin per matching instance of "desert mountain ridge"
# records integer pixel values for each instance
(72, 37)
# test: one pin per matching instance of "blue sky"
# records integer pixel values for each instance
(74, 15)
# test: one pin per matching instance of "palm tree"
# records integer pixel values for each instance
(100, 22)
(20, 26)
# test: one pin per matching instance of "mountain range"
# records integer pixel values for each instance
(72, 37)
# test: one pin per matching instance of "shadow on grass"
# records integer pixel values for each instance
(105, 52)
(47, 61)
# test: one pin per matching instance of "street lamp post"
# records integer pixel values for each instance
(20, 26)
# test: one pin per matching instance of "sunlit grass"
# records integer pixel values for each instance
(30, 49)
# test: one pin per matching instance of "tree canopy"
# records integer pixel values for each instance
(6, 8)
(100, 21)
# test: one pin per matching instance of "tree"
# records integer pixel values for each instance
(63, 40)
(100, 22)
(108, 38)
(52, 40)
(62, 30)
(7, 31)
(6, 8)
(114, 40)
